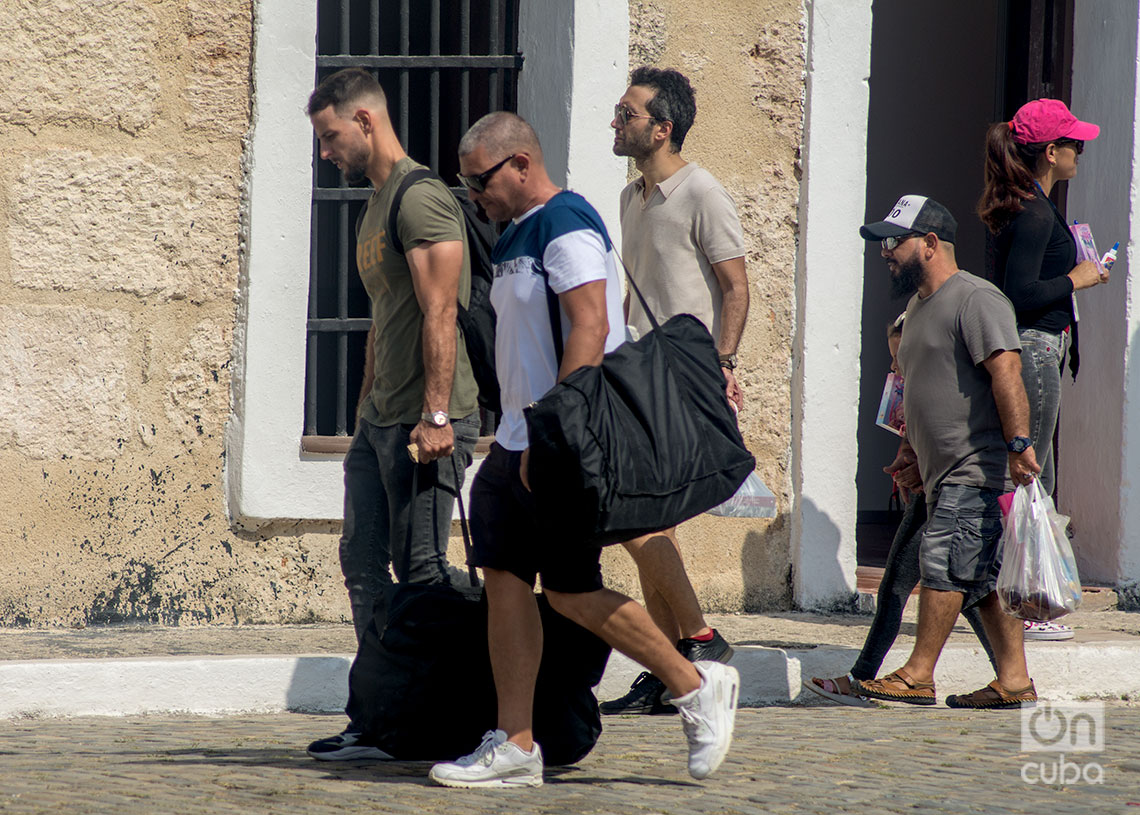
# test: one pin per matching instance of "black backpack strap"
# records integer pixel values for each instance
(555, 311)
(408, 180)
(360, 216)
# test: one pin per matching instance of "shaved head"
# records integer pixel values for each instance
(501, 134)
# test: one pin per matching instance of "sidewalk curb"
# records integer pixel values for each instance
(319, 683)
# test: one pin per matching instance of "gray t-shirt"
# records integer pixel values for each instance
(951, 417)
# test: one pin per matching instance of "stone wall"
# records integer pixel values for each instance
(121, 124)
(745, 60)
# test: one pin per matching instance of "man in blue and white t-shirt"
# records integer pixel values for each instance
(556, 238)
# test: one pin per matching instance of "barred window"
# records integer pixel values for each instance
(443, 64)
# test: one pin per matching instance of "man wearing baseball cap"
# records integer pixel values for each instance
(967, 422)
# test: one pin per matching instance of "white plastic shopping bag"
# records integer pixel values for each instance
(1038, 578)
(752, 500)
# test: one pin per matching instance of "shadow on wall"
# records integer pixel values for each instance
(766, 567)
(830, 589)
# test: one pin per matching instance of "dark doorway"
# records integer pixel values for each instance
(941, 72)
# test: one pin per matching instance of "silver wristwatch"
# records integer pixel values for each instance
(436, 419)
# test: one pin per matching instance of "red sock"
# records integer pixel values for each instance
(704, 637)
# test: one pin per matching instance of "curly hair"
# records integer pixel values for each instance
(674, 100)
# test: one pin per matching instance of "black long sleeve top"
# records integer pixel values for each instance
(1035, 254)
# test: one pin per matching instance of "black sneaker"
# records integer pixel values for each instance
(344, 747)
(644, 697)
(715, 650)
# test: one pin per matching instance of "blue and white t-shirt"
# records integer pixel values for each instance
(566, 238)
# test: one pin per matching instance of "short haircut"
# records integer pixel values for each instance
(343, 89)
(674, 100)
(501, 133)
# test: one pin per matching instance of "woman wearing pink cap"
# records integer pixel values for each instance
(1036, 261)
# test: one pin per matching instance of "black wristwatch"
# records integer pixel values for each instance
(728, 361)
(1019, 444)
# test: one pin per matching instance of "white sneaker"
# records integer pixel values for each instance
(1047, 631)
(708, 715)
(495, 763)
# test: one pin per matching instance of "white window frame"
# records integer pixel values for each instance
(575, 67)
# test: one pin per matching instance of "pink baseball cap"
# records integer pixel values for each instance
(1046, 120)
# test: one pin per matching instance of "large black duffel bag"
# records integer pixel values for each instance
(421, 686)
(639, 443)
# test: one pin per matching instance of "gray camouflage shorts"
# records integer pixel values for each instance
(961, 548)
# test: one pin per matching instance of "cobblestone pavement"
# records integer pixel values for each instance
(784, 760)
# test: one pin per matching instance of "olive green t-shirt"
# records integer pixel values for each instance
(428, 212)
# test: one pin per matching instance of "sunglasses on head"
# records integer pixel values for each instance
(478, 183)
(624, 114)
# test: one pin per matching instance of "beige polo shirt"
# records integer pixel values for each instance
(670, 241)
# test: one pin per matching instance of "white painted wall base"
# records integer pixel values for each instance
(203, 685)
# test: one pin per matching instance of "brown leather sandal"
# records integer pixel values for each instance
(994, 697)
(897, 687)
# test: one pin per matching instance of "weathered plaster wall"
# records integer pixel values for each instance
(745, 60)
(121, 124)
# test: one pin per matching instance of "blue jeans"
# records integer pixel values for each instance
(1041, 357)
(379, 506)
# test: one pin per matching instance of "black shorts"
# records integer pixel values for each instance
(505, 533)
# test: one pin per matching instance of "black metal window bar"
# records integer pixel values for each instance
(442, 64)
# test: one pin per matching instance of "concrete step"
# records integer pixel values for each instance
(266, 683)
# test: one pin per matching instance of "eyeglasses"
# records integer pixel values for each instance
(478, 183)
(624, 114)
(1077, 145)
(892, 243)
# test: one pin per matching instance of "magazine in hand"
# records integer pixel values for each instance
(891, 405)
(1086, 250)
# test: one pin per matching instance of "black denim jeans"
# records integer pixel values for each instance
(378, 506)
(899, 580)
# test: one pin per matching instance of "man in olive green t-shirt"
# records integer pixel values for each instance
(418, 386)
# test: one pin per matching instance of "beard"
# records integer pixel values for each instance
(907, 279)
(635, 145)
(356, 166)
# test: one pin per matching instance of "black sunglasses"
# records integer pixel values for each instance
(892, 243)
(1076, 144)
(478, 183)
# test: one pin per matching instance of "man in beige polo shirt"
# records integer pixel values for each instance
(683, 244)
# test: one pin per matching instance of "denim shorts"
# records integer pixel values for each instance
(961, 548)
